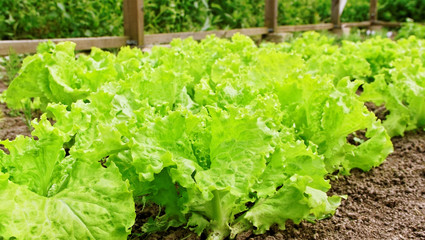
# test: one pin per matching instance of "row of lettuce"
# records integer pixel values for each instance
(224, 135)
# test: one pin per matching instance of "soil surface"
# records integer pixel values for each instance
(387, 202)
(12, 123)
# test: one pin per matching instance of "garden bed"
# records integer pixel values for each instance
(387, 202)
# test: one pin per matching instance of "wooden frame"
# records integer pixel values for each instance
(134, 29)
(30, 46)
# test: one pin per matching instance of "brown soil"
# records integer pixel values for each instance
(12, 123)
(380, 111)
(387, 202)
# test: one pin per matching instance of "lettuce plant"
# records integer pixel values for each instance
(48, 195)
(55, 75)
(402, 91)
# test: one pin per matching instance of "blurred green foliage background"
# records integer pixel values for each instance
(28, 19)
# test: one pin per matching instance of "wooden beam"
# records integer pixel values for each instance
(335, 14)
(388, 24)
(306, 27)
(168, 37)
(369, 23)
(373, 11)
(357, 24)
(133, 11)
(270, 15)
(30, 46)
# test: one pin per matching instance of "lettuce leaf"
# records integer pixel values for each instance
(55, 75)
(49, 196)
(402, 91)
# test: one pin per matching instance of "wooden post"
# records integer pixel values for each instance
(270, 15)
(270, 22)
(335, 14)
(374, 26)
(134, 22)
(373, 11)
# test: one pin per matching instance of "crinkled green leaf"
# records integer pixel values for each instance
(403, 93)
(55, 75)
(295, 201)
(49, 196)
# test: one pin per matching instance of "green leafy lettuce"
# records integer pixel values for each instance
(224, 135)
(48, 195)
(55, 75)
